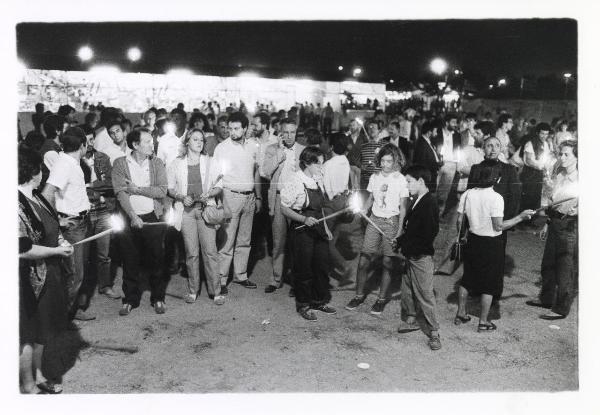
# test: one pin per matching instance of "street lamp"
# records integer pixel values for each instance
(502, 82)
(438, 66)
(340, 68)
(357, 71)
(456, 72)
(134, 54)
(85, 53)
(567, 77)
(391, 81)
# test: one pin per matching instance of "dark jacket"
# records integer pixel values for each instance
(421, 226)
(354, 149)
(424, 156)
(509, 186)
(102, 186)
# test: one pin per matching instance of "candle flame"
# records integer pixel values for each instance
(116, 223)
(355, 203)
(358, 120)
(170, 219)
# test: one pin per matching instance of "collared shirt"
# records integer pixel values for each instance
(140, 176)
(113, 152)
(169, 147)
(290, 165)
(293, 194)
(237, 161)
(448, 146)
(262, 148)
(482, 204)
(102, 141)
(387, 192)
(428, 141)
(66, 175)
(336, 172)
(564, 187)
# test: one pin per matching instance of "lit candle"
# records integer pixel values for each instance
(116, 226)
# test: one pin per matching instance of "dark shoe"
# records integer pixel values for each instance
(110, 293)
(434, 343)
(292, 293)
(307, 314)
(534, 303)
(408, 327)
(159, 307)
(224, 290)
(378, 307)
(458, 320)
(325, 309)
(485, 327)
(552, 316)
(270, 289)
(354, 303)
(83, 315)
(246, 284)
(50, 387)
(125, 309)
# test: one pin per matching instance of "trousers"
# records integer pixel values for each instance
(417, 289)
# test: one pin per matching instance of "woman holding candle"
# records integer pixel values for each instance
(42, 293)
(194, 183)
(302, 201)
(388, 197)
(560, 260)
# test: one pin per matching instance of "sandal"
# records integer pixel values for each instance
(458, 320)
(486, 327)
(50, 387)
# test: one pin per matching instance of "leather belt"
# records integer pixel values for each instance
(248, 192)
(81, 215)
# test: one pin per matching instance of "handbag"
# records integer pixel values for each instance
(218, 214)
(458, 247)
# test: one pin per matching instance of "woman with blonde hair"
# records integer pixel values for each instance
(194, 182)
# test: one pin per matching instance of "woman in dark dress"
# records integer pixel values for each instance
(42, 292)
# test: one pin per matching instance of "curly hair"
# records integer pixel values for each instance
(29, 163)
(389, 150)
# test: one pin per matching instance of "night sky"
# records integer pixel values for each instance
(400, 50)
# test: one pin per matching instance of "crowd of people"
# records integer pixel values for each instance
(199, 195)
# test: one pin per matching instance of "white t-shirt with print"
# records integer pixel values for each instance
(387, 192)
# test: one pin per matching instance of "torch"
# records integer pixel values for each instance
(170, 219)
(116, 226)
(355, 206)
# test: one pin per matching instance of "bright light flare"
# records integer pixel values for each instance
(340, 68)
(438, 66)
(355, 203)
(134, 54)
(357, 71)
(105, 69)
(85, 53)
(116, 223)
(248, 75)
(567, 75)
(170, 218)
(169, 127)
(502, 82)
(180, 72)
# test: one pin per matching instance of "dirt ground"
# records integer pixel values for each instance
(257, 343)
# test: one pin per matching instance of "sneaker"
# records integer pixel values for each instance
(84, 315)
(325, 309)
(224, 290)
(354, 303)
(110, 293)
(125, 309)
(307, 314)
(190, 298)
(434, 343)
(378, 307)
(219, 299)
(409, 327)
(159, 307)
(246, 284)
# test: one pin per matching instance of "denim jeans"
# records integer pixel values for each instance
(200, 237)
(75, 264)
(99, 262)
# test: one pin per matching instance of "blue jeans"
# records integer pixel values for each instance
(99, 262)
(75, 264)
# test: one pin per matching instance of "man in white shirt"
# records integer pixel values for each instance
(448, 143)
(280, 164)
(336, 171)
(118, 146)
(65, 189)
(241, 193)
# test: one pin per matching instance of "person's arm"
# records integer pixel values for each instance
(49, 194)
(159, 190)
(103, 184)
(119, 180)
(273, 158)
(257, 192)
(530, 161)
(403, 209)
(500, 225)
(295, 216)
(40, 252)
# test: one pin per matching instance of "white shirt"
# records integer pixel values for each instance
(66, 175)
(336, 172)
(405, 128)
(481, 206)
(448, 147)
(262, 148)
(387, 192)
(237, 161)
(293, 194)
(290, 165)
(140, 176)
(102, 141)
(169, 147)
(114, 151)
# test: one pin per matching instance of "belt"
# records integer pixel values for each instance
(81, 215)
(248, 192)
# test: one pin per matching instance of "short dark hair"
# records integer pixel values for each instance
(112, 123)
(450, 116)
(108, 114)
(29, 163)
(90, 117)
(135, 135)
(418, 172)
(287, 121)
(73, 142)
(53, 125)
(238, 117)
(486, 127)
(126, 121)
(64, 110)
(313, 137)
(543, 126)
(222, 118)
(471, 116)
(275, 122)
(210, 116)
(503, 119)
(428, 126)
(179, 111)
(395, 124)
(264, 118)
(309, 156)
(338, 143)
(34, 140)
(488, 176)
(570, 143)
(198, 116)
(388, 150)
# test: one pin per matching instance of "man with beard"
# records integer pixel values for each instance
(448, 142)
(281, 162)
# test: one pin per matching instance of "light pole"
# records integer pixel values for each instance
(567, 77)
(439, 66)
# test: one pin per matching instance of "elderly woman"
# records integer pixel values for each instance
(484, 251)
(559, 263)
(194, 183)
(42, 293)
(302, 201)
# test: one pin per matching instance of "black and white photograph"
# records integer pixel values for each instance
(248, 205)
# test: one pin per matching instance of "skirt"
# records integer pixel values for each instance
(484, 265)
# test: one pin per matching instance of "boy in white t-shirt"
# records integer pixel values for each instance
(389, 200)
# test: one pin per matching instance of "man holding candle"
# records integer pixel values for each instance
(140, 183)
